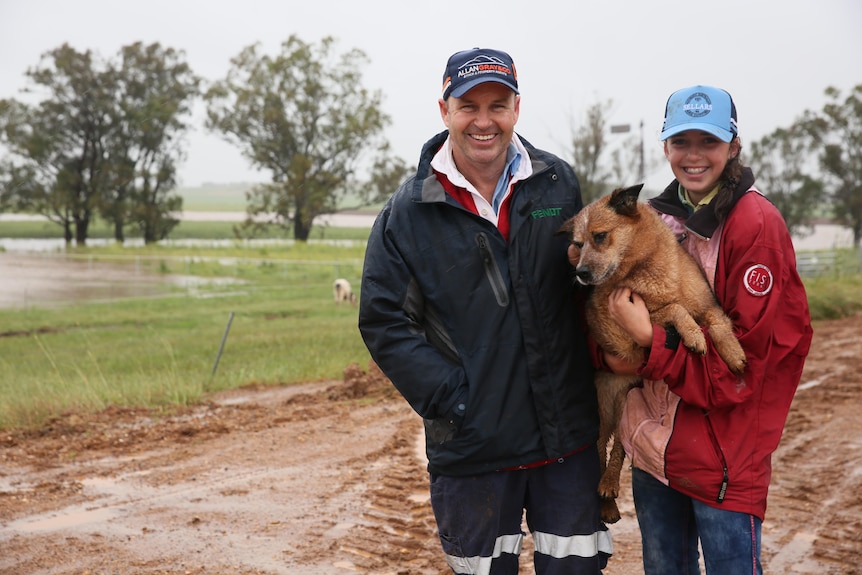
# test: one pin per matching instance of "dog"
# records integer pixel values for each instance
(343, 292)
(623, 243)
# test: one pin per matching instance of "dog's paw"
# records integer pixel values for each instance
(736, 362)
(694, 340)
(609, 511)
(732, 354)
(608, 488)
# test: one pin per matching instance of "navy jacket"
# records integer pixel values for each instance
(485, 339)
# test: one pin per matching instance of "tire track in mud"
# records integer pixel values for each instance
(327, 478)
(814, 519)
(286, 493)
(396, 533)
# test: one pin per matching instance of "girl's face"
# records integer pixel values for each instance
(698, 160)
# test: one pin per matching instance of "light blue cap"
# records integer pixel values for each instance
(702, 108)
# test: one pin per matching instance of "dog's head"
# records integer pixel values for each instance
(601, 234)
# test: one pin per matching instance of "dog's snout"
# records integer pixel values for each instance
(583, 275)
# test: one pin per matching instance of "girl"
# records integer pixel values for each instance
(701, 439)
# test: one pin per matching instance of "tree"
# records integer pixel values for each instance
(387, 174)
(588, 145)
(304, 116)
(103, 141)
(837, 134)
(783, 173)
(154, 88)
(629, 162)
(60, 142)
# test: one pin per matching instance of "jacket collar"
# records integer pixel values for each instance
(703, 222)
(426, 187)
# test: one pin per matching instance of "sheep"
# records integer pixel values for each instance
(343, 293)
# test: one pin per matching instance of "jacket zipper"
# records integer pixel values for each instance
(718, 451)
(492, 270)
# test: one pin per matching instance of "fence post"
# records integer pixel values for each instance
(221, 347)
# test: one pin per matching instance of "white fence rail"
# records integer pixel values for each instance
(832, 262)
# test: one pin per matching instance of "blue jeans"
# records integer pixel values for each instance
(671, 524)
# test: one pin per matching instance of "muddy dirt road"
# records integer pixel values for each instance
(328, 478)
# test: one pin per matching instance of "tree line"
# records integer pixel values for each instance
(104, 140)
(106, 137)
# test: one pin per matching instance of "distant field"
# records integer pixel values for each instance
(231, 197)
(204, 230)
(208, 197)
(215, 197)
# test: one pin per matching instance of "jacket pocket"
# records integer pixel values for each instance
(719, 453)
(492, 270)
(446, 427)
(646, 426)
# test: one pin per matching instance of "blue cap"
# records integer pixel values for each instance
(700, 108)
(467, 69)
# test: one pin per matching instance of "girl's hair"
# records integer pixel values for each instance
(730, 177)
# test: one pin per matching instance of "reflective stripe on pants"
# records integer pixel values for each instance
(479, 518)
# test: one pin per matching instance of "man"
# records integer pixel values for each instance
(467, 305)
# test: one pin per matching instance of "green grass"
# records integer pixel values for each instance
(160, 351)
(834, 282)
(832, 298)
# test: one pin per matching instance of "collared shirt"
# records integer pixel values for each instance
(689, 205)
(515, 171)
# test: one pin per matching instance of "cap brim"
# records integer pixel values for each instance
(720, 133)
(467, 86)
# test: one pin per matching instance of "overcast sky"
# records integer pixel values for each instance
(775, 57)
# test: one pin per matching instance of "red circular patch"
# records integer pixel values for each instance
(758, 280)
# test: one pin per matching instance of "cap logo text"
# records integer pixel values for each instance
(484, 65)
(697, 105)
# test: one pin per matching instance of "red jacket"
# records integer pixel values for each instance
(694, 425)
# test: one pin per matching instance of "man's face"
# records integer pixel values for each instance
(481, 124)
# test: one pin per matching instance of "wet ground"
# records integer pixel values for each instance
(328, 478)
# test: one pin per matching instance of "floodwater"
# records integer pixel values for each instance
(37, 271)
(38, 278)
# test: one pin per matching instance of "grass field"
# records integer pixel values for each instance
(153, 352)
(211, 197)
(161, 352)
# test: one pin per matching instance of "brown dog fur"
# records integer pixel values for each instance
(623, 243)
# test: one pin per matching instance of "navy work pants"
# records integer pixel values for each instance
(479, 518)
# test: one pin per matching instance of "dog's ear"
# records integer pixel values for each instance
(624, 201)
(567, 228)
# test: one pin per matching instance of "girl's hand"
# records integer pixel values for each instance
(630, 312)
(619, 365)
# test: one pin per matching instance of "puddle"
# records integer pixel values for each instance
(794, 556)
(70, 517)
(41, 279)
